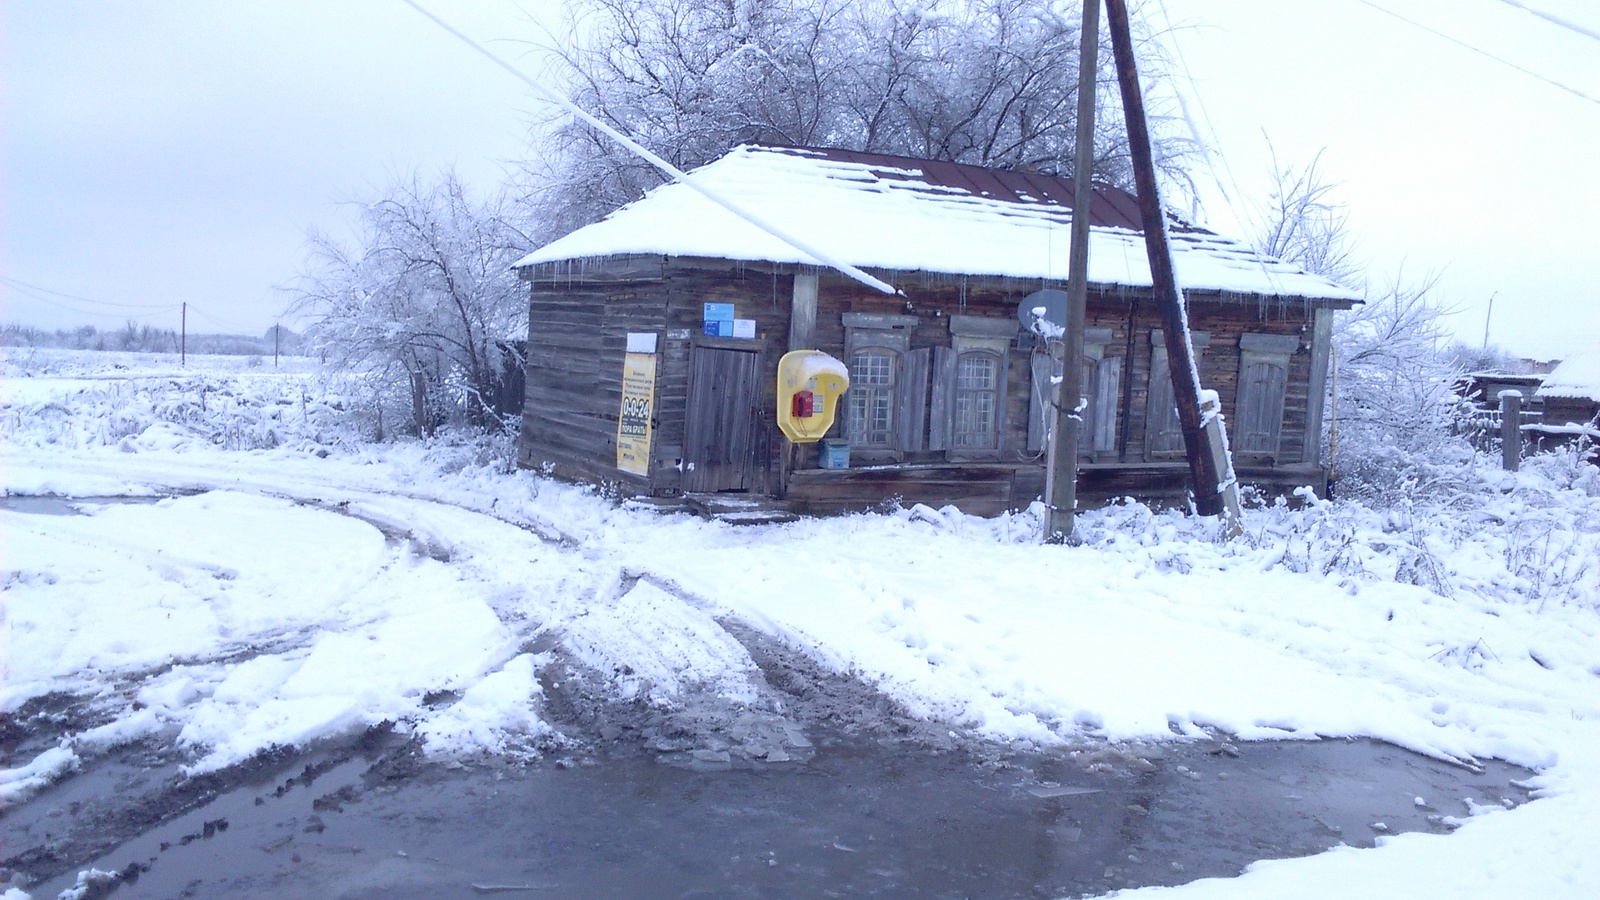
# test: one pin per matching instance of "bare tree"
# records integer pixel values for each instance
(424, 300)
(987, 82)
(1394, 405)
(1305, 225)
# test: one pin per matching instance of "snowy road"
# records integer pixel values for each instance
(282, 596)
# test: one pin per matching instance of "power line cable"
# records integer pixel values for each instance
(226, 323)
(677, 173)
(25, 287)
(1241, 216)
(150, 313)
(143, 311)
(1481, 52)
(1555, 20)
(1194, 131)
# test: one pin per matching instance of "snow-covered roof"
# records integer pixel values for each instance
(1577, 376)
(906, 215)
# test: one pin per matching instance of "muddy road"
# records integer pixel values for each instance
(841, 796)
(819, 786)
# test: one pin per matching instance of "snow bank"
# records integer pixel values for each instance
(431, 632)
(1543, 849)
(497, 715)
(655, 646)
(18, 783)
(244, 622)
(130, 587)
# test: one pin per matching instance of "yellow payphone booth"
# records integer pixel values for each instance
(810, 384)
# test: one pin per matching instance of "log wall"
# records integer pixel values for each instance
(577, 338)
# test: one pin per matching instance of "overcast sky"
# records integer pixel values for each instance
(158, 152)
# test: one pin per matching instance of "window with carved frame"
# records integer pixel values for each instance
(977, 402)
(884, 410)
(967, 415)
(873, 382)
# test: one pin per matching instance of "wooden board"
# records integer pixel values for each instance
(720, 447)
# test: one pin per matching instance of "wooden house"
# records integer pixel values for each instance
(1570, 395)
(947, 403)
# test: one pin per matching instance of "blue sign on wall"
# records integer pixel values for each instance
(719, 320)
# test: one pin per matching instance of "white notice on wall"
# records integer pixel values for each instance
(641, 342)
(744, 328)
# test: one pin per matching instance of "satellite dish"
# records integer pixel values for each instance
(1055, 308)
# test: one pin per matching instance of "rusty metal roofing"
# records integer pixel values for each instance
(900, 215)
(1111, 208)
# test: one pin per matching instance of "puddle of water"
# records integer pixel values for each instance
(858, 820)
(39, 506)
(56, 505)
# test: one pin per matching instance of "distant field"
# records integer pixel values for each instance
(24, 362)
(37, 375)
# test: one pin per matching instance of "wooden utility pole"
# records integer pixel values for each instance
(1061, 489)
(1205, 466)
(277, 332)
(183, 339)
(1510, 430)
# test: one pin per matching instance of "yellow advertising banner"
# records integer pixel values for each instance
(638, 400)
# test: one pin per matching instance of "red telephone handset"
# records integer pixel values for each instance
(804, 405)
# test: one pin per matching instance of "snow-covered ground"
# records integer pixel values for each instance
(285, 581)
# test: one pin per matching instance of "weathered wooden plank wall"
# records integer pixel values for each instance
(578, 332)
(564, 421)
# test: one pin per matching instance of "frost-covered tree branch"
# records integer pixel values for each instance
(1394, 403)
(424, 300)
(986, 82)
(1394, 427)
(1304, 225)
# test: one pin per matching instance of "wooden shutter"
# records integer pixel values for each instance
(1260, 406)
(1107, 387)
(1163, 433)
(911, 414)
(942, 399)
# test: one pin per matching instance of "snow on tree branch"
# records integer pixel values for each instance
(425, 300)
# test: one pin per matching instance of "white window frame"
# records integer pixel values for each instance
(888, 393)
(967, 394)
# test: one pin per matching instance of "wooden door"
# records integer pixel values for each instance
(721, 448)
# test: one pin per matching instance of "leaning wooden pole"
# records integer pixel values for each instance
(1204, 466)
(1062, 490)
